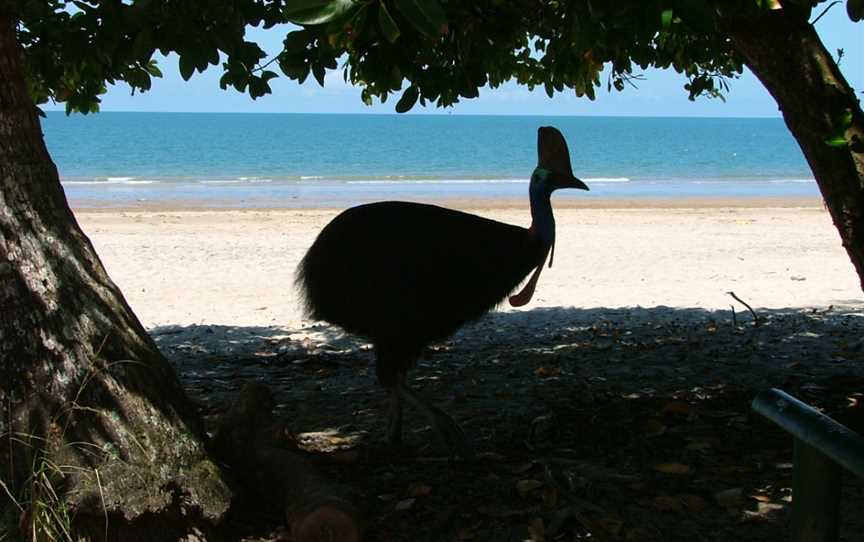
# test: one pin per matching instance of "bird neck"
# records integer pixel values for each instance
(542, 220)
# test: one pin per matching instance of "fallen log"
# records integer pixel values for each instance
(254, 445)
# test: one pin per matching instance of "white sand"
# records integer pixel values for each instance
(236, 267)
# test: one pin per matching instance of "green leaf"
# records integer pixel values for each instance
(225, 80)
(311, 12)
(319, 73)
(395, 77)
(295, 42)
(187, 66)
(837, 141)
(213, 57)
(257, 88)
(142, 45)
(153, 69)
(845, 120)
(138, 79)
(408, 99)
(201, 61)
(666, 18)
(387, 24)
(351, 21)
(295, 68)
(427, 16)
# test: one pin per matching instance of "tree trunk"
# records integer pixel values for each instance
(786, 54)
(86, 397)
(278, 475)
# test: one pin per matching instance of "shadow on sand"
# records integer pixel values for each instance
(631, 423)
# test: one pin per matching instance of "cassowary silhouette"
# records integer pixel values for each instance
(406, 274)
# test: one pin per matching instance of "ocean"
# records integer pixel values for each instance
(322, 160)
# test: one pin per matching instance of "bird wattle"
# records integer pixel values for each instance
(527, 292)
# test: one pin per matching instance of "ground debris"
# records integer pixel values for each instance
(607, 424)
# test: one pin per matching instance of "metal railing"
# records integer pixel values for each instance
(822, 447)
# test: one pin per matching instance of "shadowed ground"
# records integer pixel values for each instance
(602, 424)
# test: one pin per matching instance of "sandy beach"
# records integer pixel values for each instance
(182, 265)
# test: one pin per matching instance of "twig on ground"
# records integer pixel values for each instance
(749, 308)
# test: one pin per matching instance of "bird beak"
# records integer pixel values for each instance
(577, 183)
(572, 182)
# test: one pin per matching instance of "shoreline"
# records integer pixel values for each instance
(213, 206)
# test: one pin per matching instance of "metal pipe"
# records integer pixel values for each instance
(805, 423)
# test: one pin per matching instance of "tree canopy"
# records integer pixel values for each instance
(431, 51)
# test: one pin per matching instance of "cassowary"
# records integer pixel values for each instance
(406, 274)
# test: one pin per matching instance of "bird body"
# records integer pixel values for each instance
(408, 274)
(405, 274)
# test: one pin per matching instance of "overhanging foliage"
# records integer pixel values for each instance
(431, 51)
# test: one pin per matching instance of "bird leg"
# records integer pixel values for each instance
(443, 425)
(394, 425)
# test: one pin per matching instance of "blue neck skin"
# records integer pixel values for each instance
(542, 221)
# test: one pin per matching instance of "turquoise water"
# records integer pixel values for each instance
(299, 160)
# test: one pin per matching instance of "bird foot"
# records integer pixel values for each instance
(451, 435)
(448, 431)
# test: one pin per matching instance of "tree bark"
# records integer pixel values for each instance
(786, 54)
(86, 396)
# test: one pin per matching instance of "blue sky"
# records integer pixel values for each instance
(661, 94)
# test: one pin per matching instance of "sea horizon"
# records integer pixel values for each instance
(336, 159)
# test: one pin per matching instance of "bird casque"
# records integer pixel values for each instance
(406, 274)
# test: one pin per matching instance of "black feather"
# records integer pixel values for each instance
(406, 274)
